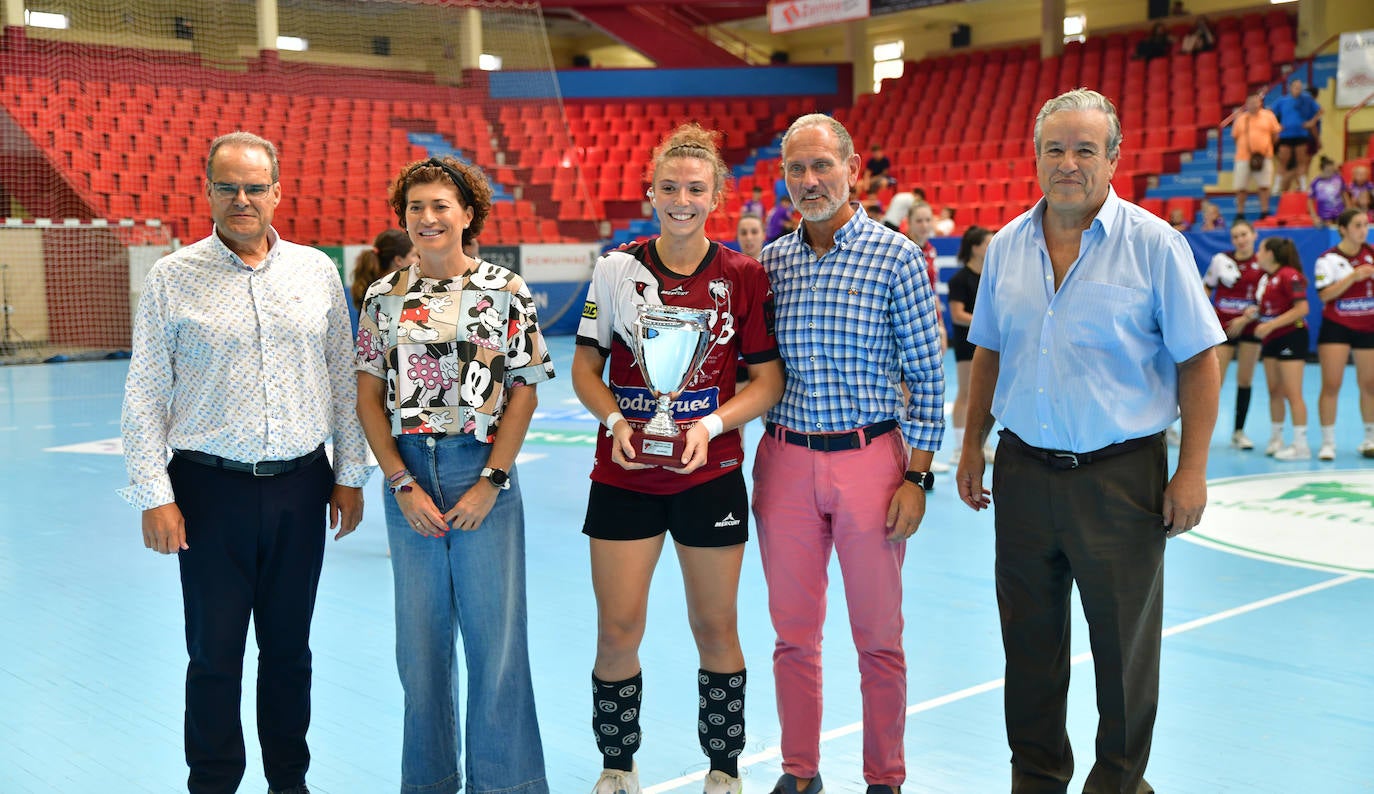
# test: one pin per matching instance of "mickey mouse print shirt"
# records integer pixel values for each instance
(449, 348)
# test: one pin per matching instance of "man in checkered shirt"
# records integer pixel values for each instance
(845, 463)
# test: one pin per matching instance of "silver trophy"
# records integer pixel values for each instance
(670, 343)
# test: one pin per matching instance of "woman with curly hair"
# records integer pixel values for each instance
(449, 352)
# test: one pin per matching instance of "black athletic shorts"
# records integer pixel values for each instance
(1333, 333)
(713, 514)
(1288, 347)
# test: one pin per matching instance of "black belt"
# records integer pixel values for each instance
(263, 468)
(832, 442)
(1063, 460)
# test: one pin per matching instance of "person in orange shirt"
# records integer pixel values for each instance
(1255, 129)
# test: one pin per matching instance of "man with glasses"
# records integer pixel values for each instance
(242, 365)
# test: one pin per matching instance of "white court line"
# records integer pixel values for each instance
(988, 686)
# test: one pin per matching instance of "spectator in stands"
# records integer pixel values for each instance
(963, 292)
(874, 208)
(702, 500)
(1178, 220)
(780, 219)
(944, 225)
(754, 206)
(1326, 197)
(390, 251)
(449, 354)
(1255, 129)
(1156, 45)
(1344, 277)
(749, 235)
(1211, 217)
(1281, 316)
(1233, 278)
(241, 366)
(1086, 366)
(833, 470)
(1177, 9)
(1199, 39)
(1298, 114)
(899, 207)
(1360, 192)
(877, 171)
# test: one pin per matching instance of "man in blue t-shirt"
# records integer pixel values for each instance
(1297, 113)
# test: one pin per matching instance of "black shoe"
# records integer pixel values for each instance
(875, 789)
(301, 789)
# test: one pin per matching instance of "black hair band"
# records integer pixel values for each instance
(464, 191)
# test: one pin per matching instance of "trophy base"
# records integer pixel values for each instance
(658, 450)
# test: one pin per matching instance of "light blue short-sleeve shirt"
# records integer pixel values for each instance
(1095, 362)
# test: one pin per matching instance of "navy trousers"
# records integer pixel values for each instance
(256, 547)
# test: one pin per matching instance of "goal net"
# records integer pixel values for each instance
(107, 110)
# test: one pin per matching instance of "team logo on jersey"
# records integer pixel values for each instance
(1314, 519)
(589, 310)
(640, 287)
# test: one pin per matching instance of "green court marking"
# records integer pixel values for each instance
(560, 437)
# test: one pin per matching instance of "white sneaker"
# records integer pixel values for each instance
(1171, 436)
(989, 452)
(617, 781)
(717, 782)
(1241, 441)
(1293, 452)
(1366, 448)
(1327, 452)
(936, 467)
(1275, 444)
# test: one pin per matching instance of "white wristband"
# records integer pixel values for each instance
(615, 416)
(713, 424)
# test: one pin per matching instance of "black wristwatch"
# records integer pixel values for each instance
(497, 477)
(922, 478)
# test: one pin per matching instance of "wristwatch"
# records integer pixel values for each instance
(497, 477)
(922, 478)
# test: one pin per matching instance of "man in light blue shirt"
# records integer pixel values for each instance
(1097, 310)
(1298, 113)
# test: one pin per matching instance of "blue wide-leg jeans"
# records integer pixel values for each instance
(470, 584)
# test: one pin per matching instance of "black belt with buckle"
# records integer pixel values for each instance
(1064, 460)
(832, 442)
(263, 468)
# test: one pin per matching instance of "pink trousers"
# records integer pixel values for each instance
(805, 503)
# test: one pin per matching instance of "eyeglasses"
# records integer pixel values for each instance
(228, 190)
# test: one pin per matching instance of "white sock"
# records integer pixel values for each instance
(1276, 431)
(1368, 431)
(1329, 434)
(1300, 436)
(958, 438)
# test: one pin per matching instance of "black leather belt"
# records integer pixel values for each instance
(1063, 460)
(263, 468)
(832, 442)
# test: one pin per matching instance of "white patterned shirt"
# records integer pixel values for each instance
(250, 364)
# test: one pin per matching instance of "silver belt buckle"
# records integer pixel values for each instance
(256, 473)
(1068, 456)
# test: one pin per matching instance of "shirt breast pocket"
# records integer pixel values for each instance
(1105, 315)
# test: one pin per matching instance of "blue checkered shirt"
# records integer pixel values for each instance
(853, 326)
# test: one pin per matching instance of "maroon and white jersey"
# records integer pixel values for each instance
(1278, 292)
(734, 288)
(1355, 308)
(1233, 282)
